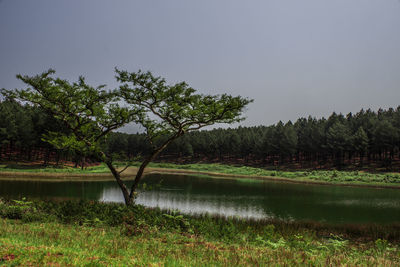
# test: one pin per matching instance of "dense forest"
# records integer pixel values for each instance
(367, 138)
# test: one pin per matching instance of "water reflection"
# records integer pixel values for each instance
(191, 204)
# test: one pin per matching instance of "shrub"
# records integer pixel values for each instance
(16, 209)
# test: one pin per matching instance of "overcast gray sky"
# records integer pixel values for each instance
(293, 57)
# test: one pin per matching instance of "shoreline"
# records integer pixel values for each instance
(131, 171)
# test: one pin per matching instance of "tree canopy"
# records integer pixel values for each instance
(178, 109)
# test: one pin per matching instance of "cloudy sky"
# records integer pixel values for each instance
(294, 58)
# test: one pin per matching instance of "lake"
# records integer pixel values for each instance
(244, 198)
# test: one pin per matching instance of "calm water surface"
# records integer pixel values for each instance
(232, 197)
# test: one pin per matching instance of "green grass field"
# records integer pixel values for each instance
(102, 168)
(321, 176)
(315, 175)
(95, 234)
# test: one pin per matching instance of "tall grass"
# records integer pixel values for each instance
(92, 233)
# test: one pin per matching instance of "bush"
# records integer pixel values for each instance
(17, 209)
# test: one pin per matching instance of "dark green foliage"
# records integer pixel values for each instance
(21, 131)
(367, 136)
(138, 220)
(21, 209)
(88, 113)
(362, 139)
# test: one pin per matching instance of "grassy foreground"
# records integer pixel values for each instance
(97, 234)
(313, 176)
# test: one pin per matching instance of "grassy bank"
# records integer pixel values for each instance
(336, 177)
(37, 168)
(313, 176)
(80, 233)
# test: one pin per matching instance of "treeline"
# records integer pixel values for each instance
(364, 138)
(22, 128)
(355, 139)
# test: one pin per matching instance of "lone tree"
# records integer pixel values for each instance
(166, 112)
(177, 109)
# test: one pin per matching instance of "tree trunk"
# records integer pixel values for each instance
(144, 164)
(117, 176)
(47, 157)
